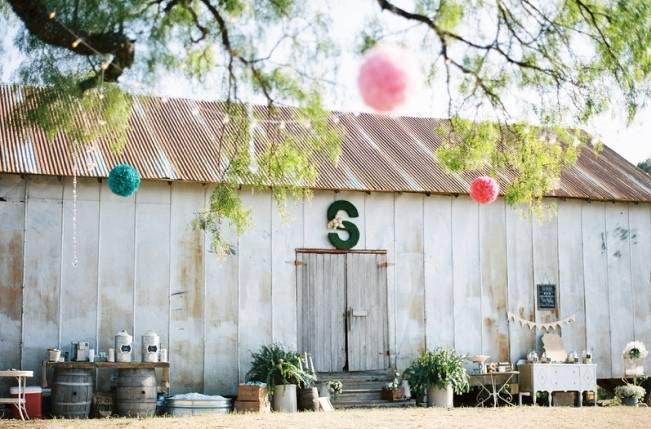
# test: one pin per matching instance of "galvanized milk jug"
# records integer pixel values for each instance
(150, 346)
(123, 346)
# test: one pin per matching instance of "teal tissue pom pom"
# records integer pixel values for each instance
(123, 180)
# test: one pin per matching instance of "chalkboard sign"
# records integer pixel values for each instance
(546, 297)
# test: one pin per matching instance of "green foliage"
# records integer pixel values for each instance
(225, 204)
(276, 366)
(286, 165)
(449, 14)
(83, 116)
(630, 391)
(569, 60)
(335, 387)
(645, 166)
(438, 368)
(534, 156)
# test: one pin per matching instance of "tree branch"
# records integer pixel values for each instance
(50, 31)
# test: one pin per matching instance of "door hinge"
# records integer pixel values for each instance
(385, 264)
(298, 263)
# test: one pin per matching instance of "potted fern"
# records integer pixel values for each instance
(281, 370)
(439, 374)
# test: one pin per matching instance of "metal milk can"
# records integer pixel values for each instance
(123, 347)
(150, 346)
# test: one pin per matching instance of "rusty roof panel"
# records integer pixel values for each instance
(178, 139)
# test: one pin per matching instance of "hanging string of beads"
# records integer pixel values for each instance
(75, 253)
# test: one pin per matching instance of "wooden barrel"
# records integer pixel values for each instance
(136, 392)
(72, 393)
(307, 398)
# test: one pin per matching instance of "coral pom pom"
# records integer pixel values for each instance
(123, 180)
(386, 78)
(484, 190)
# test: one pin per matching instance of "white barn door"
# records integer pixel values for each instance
(366, 300)
(321, 300)
(342, 310)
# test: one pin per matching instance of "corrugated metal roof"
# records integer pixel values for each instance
(176, 139)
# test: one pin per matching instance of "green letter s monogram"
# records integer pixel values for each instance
(353, 232)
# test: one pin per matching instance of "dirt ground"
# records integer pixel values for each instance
(515, 417)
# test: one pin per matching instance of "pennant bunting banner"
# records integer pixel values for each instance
(549, 326)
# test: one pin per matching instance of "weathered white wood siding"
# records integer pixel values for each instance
(545, 266)
(454, 270)
(221, 359)
(492, 256)
(409, 298)
(42, 269)
(466, 276)
(12, 232)
(521, 293)
(439, 287)
(187, 286)
(570, 269)
(595, 273)
(640, 222)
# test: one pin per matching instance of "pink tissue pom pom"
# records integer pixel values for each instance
(484, 189)
(386, 78)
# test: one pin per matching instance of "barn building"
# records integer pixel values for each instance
(430, 268)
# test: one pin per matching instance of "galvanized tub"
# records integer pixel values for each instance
(190, 407)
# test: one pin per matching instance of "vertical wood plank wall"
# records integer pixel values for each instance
(454, 270)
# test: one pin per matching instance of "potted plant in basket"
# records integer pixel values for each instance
(282, 371)
(630, 394)
(440, 374)
(393, 391)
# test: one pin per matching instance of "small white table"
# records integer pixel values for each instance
(18, 402)
(491, 387)
(557, 377)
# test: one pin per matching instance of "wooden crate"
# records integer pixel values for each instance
(564, 399)
(252, 393)
(393, 395)
(252, 407)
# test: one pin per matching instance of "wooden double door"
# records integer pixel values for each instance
(342, 309)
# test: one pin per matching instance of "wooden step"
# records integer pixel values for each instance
(364, 385)
(359, 395)
(383, 375)
(379, 403)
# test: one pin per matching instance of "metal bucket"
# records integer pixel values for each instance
(185, 407)
(284, 398)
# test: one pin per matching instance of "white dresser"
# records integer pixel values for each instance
(557, 377)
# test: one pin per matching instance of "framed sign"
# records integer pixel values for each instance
(546, 297)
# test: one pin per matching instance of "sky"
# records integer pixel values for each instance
(632, 141)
